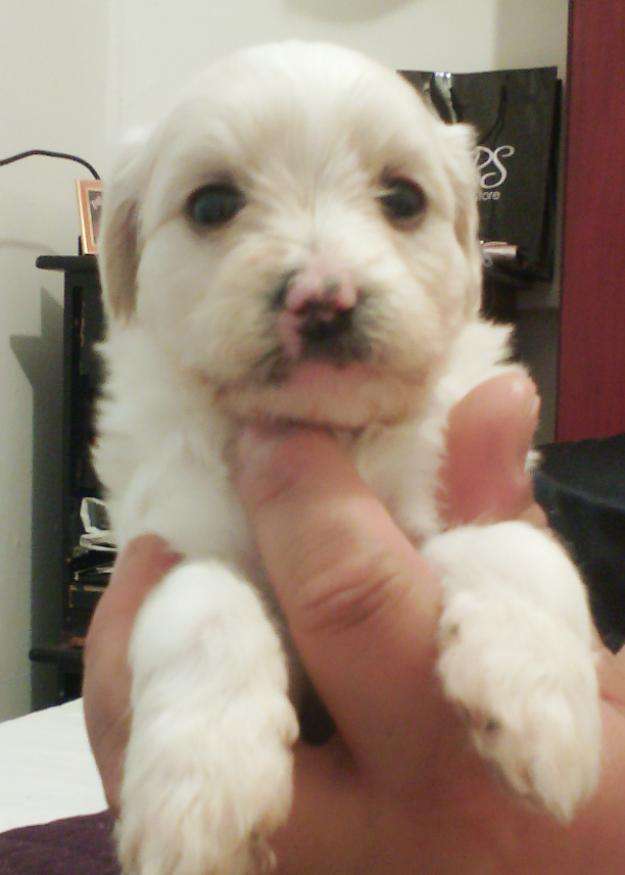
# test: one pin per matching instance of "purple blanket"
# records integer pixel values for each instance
(75, 846)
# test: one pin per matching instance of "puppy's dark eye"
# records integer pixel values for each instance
(403, 200)
(215, 204)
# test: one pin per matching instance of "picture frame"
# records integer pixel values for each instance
(89, 192)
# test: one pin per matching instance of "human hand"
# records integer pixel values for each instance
(398, 789)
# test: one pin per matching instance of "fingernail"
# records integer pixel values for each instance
(149, 542)
(523, 390)
(533, 407)
(530, 422)
(159, 546)
(145, 551)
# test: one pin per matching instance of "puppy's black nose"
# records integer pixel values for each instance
(317, 314)
(322, 325)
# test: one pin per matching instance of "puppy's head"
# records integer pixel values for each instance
(300, 234)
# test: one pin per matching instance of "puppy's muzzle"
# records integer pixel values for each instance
(318, 316)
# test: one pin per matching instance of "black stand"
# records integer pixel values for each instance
(82, 328)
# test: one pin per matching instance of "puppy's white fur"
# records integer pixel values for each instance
(309, 133)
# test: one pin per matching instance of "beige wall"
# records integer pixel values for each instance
(158, 44)
(52, 94)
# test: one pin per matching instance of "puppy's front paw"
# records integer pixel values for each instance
(207, 776)
(201, 800)
(528, 688)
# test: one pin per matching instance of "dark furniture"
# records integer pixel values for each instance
(581, 486)
(82, 328)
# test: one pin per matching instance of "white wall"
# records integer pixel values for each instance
(157, 44)
(77, 70)
(52, 94)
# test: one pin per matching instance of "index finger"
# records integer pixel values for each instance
(361, 604)
(140, 565)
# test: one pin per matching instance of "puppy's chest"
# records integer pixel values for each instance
(401, 465)
(192, 502)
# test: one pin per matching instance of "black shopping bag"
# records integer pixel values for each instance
(515, 113)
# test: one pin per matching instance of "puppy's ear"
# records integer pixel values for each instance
(459, 145)
(118, 256)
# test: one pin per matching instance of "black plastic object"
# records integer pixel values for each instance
(516, 116)
(581, 487)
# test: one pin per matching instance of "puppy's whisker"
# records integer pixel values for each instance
(272, 367)
(277, 297)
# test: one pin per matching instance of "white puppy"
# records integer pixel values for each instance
(298, 240)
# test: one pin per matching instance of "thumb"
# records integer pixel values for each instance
(489, 436)
(356, 595)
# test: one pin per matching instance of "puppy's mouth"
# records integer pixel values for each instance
(330, 378)
(324, 364)
(330, 347)
(324, 332)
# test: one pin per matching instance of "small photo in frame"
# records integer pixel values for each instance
(90, 209)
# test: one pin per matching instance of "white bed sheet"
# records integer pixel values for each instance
(46, 768)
